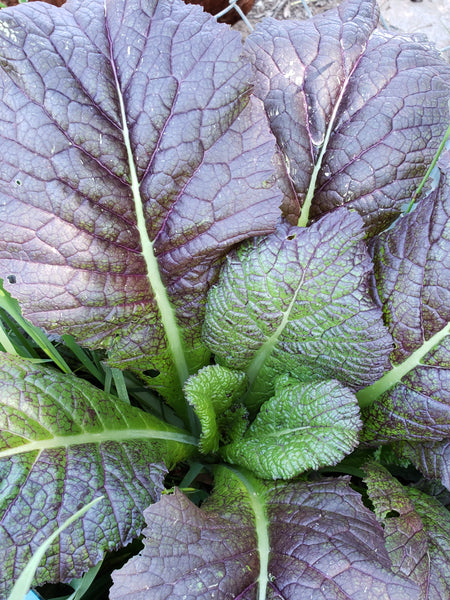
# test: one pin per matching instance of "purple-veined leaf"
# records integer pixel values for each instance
(63, 443)
(133, 158)
(412, 273)
(257, 541)
(358, 113)
(296, 301)
(417, 532)
(304, 426)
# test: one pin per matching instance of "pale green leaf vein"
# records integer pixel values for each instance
(120, 436)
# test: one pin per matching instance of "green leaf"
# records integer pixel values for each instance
(211, 392)
(64, 442)
(304, 426)
(416, 529)
(296, 301)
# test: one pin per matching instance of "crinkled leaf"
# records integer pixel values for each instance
(63, 443)
(133, 158)
(296, 301)
(211, 392)
(304, 426)
(358, 113)
(295, 540)
(412, 271)
(417, 532)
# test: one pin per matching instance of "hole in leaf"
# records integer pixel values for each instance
(11, 278)
(151, 373)
(291, 237)
(18, 182)
(392, 514)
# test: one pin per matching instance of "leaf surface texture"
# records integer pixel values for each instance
(304, 426)
(358, 113)
(292, 540)
(296, 301)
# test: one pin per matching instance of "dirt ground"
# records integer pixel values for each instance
(429, 17)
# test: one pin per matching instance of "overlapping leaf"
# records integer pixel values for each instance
(63, 443)
(304, 426)
(127, 128)
(417, 532)
(412, 270)
(296, 301)
(431, 458)
(358, 113)
(298, 540)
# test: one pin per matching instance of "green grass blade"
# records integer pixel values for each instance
(11, 306)
(120, 384)
(8, 346)
(84, 359)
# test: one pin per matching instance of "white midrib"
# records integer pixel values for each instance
(262, 531)
(165, 307)
(120, 436)
(304, 215)
(371, 393)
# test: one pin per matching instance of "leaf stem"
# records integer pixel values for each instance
(430, 168)
(266, 349)
(262, 531)
(370, 394)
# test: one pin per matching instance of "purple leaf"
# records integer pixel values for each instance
(254, 540)
(192, 553)
(412, 272)
(133, 159)
(358, 113)
(417, 532)
(431, 458)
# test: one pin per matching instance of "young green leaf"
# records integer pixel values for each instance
(131, 163)
(64, 442)
(304, 426)
(256, 541)
(417, 532)
(211, 392)
(296, 301)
